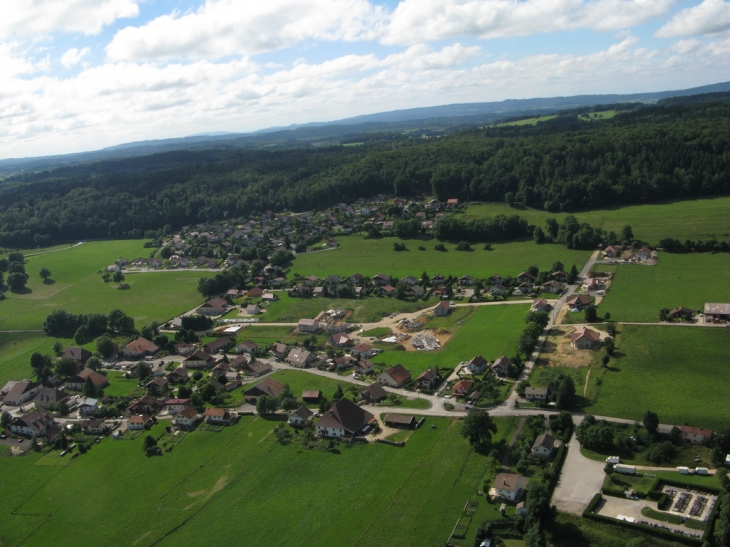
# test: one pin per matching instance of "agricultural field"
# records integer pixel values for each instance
(76, 287)
(694, 219)
(372, 256)
(526, 121)
(15, 351)
(678, 372)
(489, 331)
(187, 496)
(639, 292)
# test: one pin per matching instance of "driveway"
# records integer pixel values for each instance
(579, 481)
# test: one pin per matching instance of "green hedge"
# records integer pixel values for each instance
(665, 534)
(589, 508)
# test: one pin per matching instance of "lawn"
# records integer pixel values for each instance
(393, 496)
(15, 351)
(678, 372)
(489, 331)
(639, 292)
(701, 218)
(299, 381)
(120, 386)
(372, 256)
(365, 310)
(76, 287)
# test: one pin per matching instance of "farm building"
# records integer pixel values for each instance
(717, 312)
(400, 420)
(344, 418)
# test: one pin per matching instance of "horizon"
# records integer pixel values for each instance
(86, 76)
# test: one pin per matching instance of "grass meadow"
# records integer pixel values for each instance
(372, 256)
(489, 331)
(678, 372)
(639, 292)
(218, 488)
(76, 287)
(701, 218)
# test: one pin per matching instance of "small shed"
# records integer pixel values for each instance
(400, 420)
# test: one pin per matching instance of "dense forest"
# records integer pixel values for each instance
(678, 148)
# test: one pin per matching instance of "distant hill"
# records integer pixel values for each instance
(434, 119)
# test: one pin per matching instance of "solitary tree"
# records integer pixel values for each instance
(57, 347)
(5, 419)
(627, 234)
(105, 346)
(118, 278)
(651, 422)
(566, 394)
(591, 314)
(45, 273)
(478, 428)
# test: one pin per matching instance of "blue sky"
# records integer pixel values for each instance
(80, 75)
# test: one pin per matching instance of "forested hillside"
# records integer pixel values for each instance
(647, 154)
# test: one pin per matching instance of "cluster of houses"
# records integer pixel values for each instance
(526, 283)
(644, 254)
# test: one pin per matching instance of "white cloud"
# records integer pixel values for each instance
(686, 46)
(415, 21)
(39, 18)
(709, 17)
(73, 56)
(229, 27)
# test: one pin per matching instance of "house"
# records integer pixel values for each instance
(466, 280)
(381, 280)
(183, 349)
(417, 291)
(364, 366)
(593, 284)
(32, 424)
(138, 422)
(311, 280)
(318, 291)
(215, 306)
(80, 355)
(560, 276)
(680, 312)
(428, 379)
(50, 396)
(521, 510)
(339, 340)
(308, 325)
(255, 292)
(579, 302)
(644, 253)
(409, 280)
(540, 305)
(509, 486)
(87, 407)
(311, 395)
(441, 309)
(178, 376)
(94, 426)
(462, 388)
(396, 376)
(186, 418)
(252, 309)
(269, 297)
(695, 435)
(585, 338)
(500, 367)
(301, 358)
(498, 290)
(173, 406)
(257, 368)
(716, 312)
(21, 392)
(452, 202)
(279, 349)
(402, 421)
(387, 290)
(217, 345)
(526, 277)
(219, 416)
(300, 417)
(268, 386)
(533, 394)
(553, 286)
(343, 363)
(249, 346)
(344, 418)
(158, 386)
(139, 349)
(374, 393)
(611, 251)
(332, 280)
(146, 405)
(364, 351)
(199, 359)
(477, 365)
(76, 383)
(544, 445)
(437, 279)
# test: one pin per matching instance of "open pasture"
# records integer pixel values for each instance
(701, 218)
(678, 372)
(187, 496)
(372, 256)
(76, 287)
(490, 331)
(639, 292)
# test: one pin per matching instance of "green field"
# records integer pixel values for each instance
(678, 372)
(15, 352)
(372, 256)
(217, 488)
(489, 331)
(527, 121)
(694, 219)
(591, 116)
(77, 287)
(639, 292)
(299, 381)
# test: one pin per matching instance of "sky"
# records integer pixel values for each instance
(79, 75)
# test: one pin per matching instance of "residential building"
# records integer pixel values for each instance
(139, 349)
(500, 367)
(173, 406)
(441, 309)
(396, 376)
(544, 445)
(695, 435)
(21, 392)
(344, 418)
(138, 422)
(215, 306)
(218, 416)
(374, 393)
(428, 379)
(33, 424)
(509, 486)
(462, 388)
(536, 394)
(300, 417)
(585, 338)
(308, 325)
(199, 360)
(186, 418)
(50, 396)
(477, 365)
(301, 358)
(267, 386)
(218, 345)
(363, 351)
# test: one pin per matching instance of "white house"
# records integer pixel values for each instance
(477, 365)
(509, 486)
(544, 445)
(186, 418)
(300, 417)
